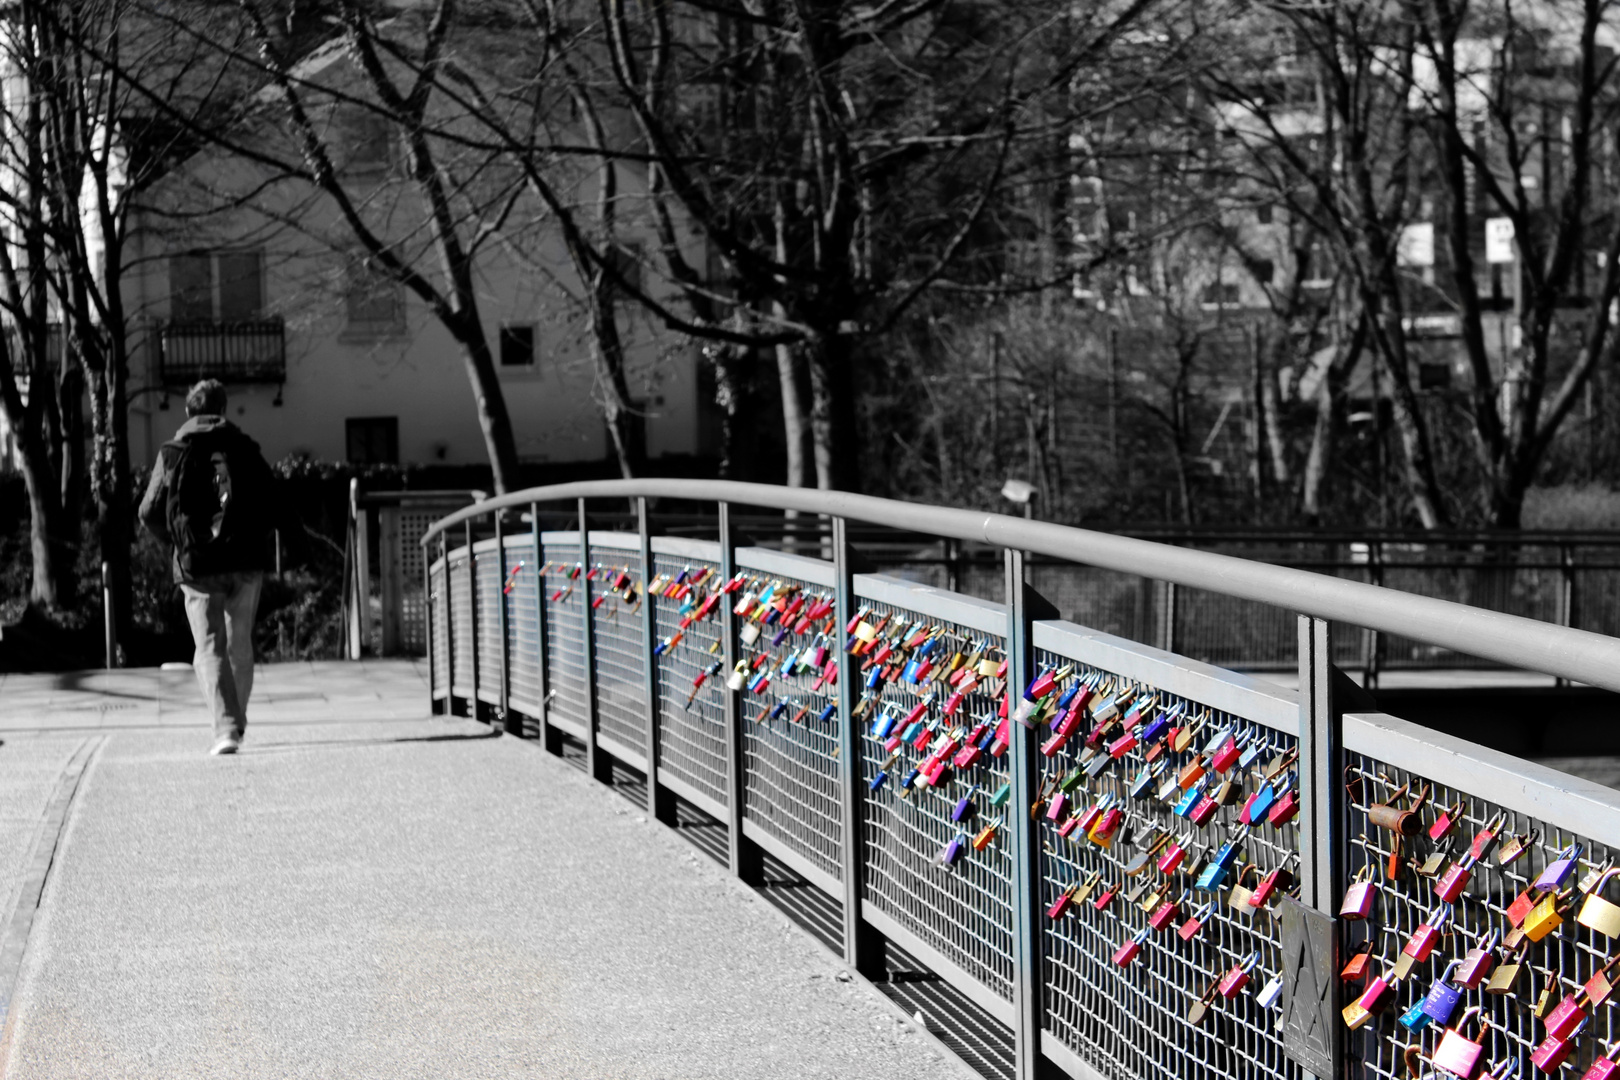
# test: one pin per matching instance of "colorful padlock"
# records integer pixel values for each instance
(1274, 884)
(1128, 952)
(1441, 1001)
(1452, 883)
(1550, 1056)
(1355, 968)
(1286, 808)
(1166, 912)
(1195, 922)
(1606, 1067)
(1567, 1015)
(1457, 1054)
(1359, 897)
(1545, 917)
(1597, 912)
(1379, 992)
(1237, 977)
(1559, 870)
(1478, 961)
(1446, 822)
(1427, 935)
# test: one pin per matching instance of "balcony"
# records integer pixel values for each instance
(253, 351)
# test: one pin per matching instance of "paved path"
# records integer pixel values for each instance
(367, 891)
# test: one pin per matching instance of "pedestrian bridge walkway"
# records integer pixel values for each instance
(372, 891)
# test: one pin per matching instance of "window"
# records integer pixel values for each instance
(216, 286)
(1433, 376)
(372, 440)
(1264, 270)
(368, 140)
(1262, 214)
(1220, 294)
(374, 301)
(517, 345)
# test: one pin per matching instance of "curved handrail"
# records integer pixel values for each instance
(1508, 639)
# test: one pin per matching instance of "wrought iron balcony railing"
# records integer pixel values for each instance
(252, 351)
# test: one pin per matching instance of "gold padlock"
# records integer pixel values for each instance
(1431, 866)
(1544, 1001)
(1544, 918)
(1504, 977)
(1238, 898)
(1593, 877)
(1355, 1016)
(1597, 912)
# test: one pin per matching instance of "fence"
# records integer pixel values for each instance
(1153, 879)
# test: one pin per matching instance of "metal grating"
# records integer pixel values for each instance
(1131, 1022)
(440, 607)
(964, 911)
(1561, 963)
(412, 524)
(692, 736)
(461, 624)
(791, 774)
(522, 622)
(565, 631)
(488, 571)
(616, 636)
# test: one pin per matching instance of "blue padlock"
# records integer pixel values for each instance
(879, 780)
(1415, 1019)
(1214, 875)
(1262, 802)
(909, 673)
(910, 778)
(875, 679)
(1443, 997)
(1155, 728)
(883, 725)
(1068, 696)
(779, 708)
(661, 647)
(1189, 799)
(964, 806)
(1252, 752)
(827, 713)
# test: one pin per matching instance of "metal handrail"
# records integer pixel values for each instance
(1508, 639)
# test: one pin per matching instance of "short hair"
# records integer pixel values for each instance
(207, 397)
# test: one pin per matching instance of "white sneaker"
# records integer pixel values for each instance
(225, 744)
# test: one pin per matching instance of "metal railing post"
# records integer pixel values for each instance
(473, 709)
(862, 949)
(596, 763)
(428, 603)
(742, 857)
(1024, 606)
(1313, 1034)
(543, 733)
(1167, 632)
(504, 621)
(1566, 595)
(449, 625)
(659, 803)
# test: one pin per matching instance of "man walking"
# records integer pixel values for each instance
(214, 499)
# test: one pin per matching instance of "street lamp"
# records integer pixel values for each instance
(1021, 492)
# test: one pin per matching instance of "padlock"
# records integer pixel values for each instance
(738, 677)
(1355, 968)
(1599, 986)
(1228, 792)
(1203, 810)
(1122, 746)
(1512, 850)
(1405, 821)
(985, 835)
(1189, 799)
(1056, 805)
(1562, 1020)
(1427, 935)
(1226, 755)
(1379, 991)
(1505, 976)
(1457, 1053)
(1136, 892)
(1478, 961)
(1522, 906)
(1166, 913)
(1414, 1018)
(1480, 846)
(1446, 822)
(953, 850)
(1455, 879)
(1605, 1067)
(1544, 918)
(1084, 892)
(1589, 880)
(1132, 948)
(1106, 826)
(1431, 865)
(1543, 1006)
(1441, 1000)
(1169, 791)
(1198, 1012)
(1195, 922)
(1279, 764)
(1064, 900)
(1213, 876)
(1550, 1056)
(999, 799)
(1258, 804)
(1237, 977)
(1359, 897)
(1355, 1016)
(1103, 900)
(1274, 884)
(1559, 870)
(1170, 861)
(965, 807)
(1238, 898)
(1192, 772)
(1145, 778)
(1271, 993)
(1597, 912)
(1285, 809)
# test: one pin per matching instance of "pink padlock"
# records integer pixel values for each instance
(1359, 897)
(1605, 1067)
(1172, 858)
(1226, 756)
(1478, 962)
(1054, 810)
(1377, 994)
(1567, 1015)
(1550, 1056)
(1457, 1054)
(1122, 746)
(1455, 879)
(1203, 810)
(1129, 951)
(1427, 935)
(1284, 810)
(1233, 982)
(1166, 913)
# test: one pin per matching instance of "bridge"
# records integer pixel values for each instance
(661, 804)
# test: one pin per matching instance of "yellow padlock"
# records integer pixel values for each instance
(988, 668)
(1355, 1016)
(1597, 912)
(1543, 918)
(865, 631)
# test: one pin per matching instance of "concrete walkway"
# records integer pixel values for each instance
(368, 891)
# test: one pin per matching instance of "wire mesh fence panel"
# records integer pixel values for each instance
(790, 731)
(1515, 890)
(439, 601)
(412, 523)
(1130, 861)
(616, 638)
(566, 594)
(961, 907)
(520, 580)
(487, 600)
(691, 710)
(461, 624)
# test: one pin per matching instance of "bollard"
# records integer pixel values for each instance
(109, 624)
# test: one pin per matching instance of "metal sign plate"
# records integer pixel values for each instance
(1308, 984)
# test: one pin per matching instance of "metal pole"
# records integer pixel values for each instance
(109, 621)
(543, 732)
(428, 603)
(863, 950)
(596, 763)
(1566, 595)
(473, 709)
(659, 803)
(449, 625)
(362, 572)
(1024, 605)
(1167, 632)
(507, 720)
(742, 857)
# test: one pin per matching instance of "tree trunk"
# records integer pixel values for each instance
(493, 419)
(626, 428)
(795, 424)
(832, 412)
(53, 581)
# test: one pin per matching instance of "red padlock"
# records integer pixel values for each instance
(1129, 951)
(1550, 1056)
(1427, 935)
(1166, 913)
(1195, 922)
(1233, 982)
(1567, 1015)
(1478, 962)
(1203, 810)
(1605, 1067)
(1226, 755)
(1278, 881)
(1284, 810)
(1455, 879)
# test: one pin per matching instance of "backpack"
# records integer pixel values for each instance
(219, 509)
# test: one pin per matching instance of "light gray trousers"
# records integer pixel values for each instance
(220, 608)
